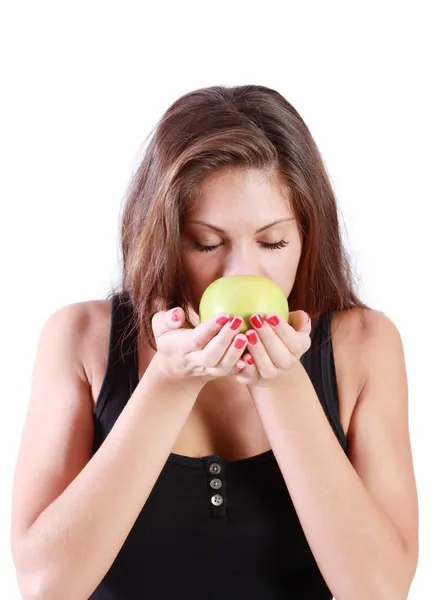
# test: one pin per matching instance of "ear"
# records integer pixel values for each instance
(298, 320)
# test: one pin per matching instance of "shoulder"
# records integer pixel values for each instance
(349, 332)
(355, 321)
(364, 329)
(358, 335)
(79, 317)
(370, 343)
(381, 341)
(384, 360)
(81, 326)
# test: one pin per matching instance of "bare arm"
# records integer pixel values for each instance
(72, 512)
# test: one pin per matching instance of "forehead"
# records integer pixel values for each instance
(243, 188)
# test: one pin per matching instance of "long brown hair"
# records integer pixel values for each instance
(206, 130)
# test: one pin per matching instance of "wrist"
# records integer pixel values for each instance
(286, 380)
(158, 375)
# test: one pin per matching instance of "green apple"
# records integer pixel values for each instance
(243, 295)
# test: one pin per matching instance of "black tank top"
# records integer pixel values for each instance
(213, 529)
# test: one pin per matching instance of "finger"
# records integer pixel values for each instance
(233, 353)
(279, 354)
(300, 320)
(248, 359)
(207, 332)
(216, 348)
(262, 360)
(164, 321)
(249, 373)
(294, 340)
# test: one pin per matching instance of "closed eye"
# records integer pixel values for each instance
(266, 245)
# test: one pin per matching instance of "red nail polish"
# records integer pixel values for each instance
(257, 320)
(239, 343)
(174, 315)
(273, 320)
(250, 360)
(222, 320)
(252, 337)
(235, 323)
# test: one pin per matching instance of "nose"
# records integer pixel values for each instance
(242, 263)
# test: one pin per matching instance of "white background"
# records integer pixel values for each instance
(85, 82)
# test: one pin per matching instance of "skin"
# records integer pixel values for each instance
(238, 215)
(240, 201)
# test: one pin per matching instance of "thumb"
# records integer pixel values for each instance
(169, 320)
(300, 320)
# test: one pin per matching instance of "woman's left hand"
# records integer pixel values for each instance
(274, 348)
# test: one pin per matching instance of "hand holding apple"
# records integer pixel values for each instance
(206, 352)
(276, 342)
(274, 349)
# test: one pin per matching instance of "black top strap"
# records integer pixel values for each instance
(122, 343)
(320, 360)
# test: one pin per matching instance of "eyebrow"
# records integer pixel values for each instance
(257, 230)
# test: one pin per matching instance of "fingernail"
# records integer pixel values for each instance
(273, 320)
(239, 343)
(235, 323)
(257, 320)
(222, 320)
(250, 360)
(174, 315)
(252, 337)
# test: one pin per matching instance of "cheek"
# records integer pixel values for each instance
(198, 266)
(285, 272)
(198, 274)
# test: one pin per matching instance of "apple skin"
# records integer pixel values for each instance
(243, 295)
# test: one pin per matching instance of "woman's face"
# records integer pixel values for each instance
(236, 212)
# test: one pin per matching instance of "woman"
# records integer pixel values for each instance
(163, 457)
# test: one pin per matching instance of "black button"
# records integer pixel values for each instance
(215, 468)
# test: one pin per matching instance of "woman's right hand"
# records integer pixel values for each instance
(206, 352)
